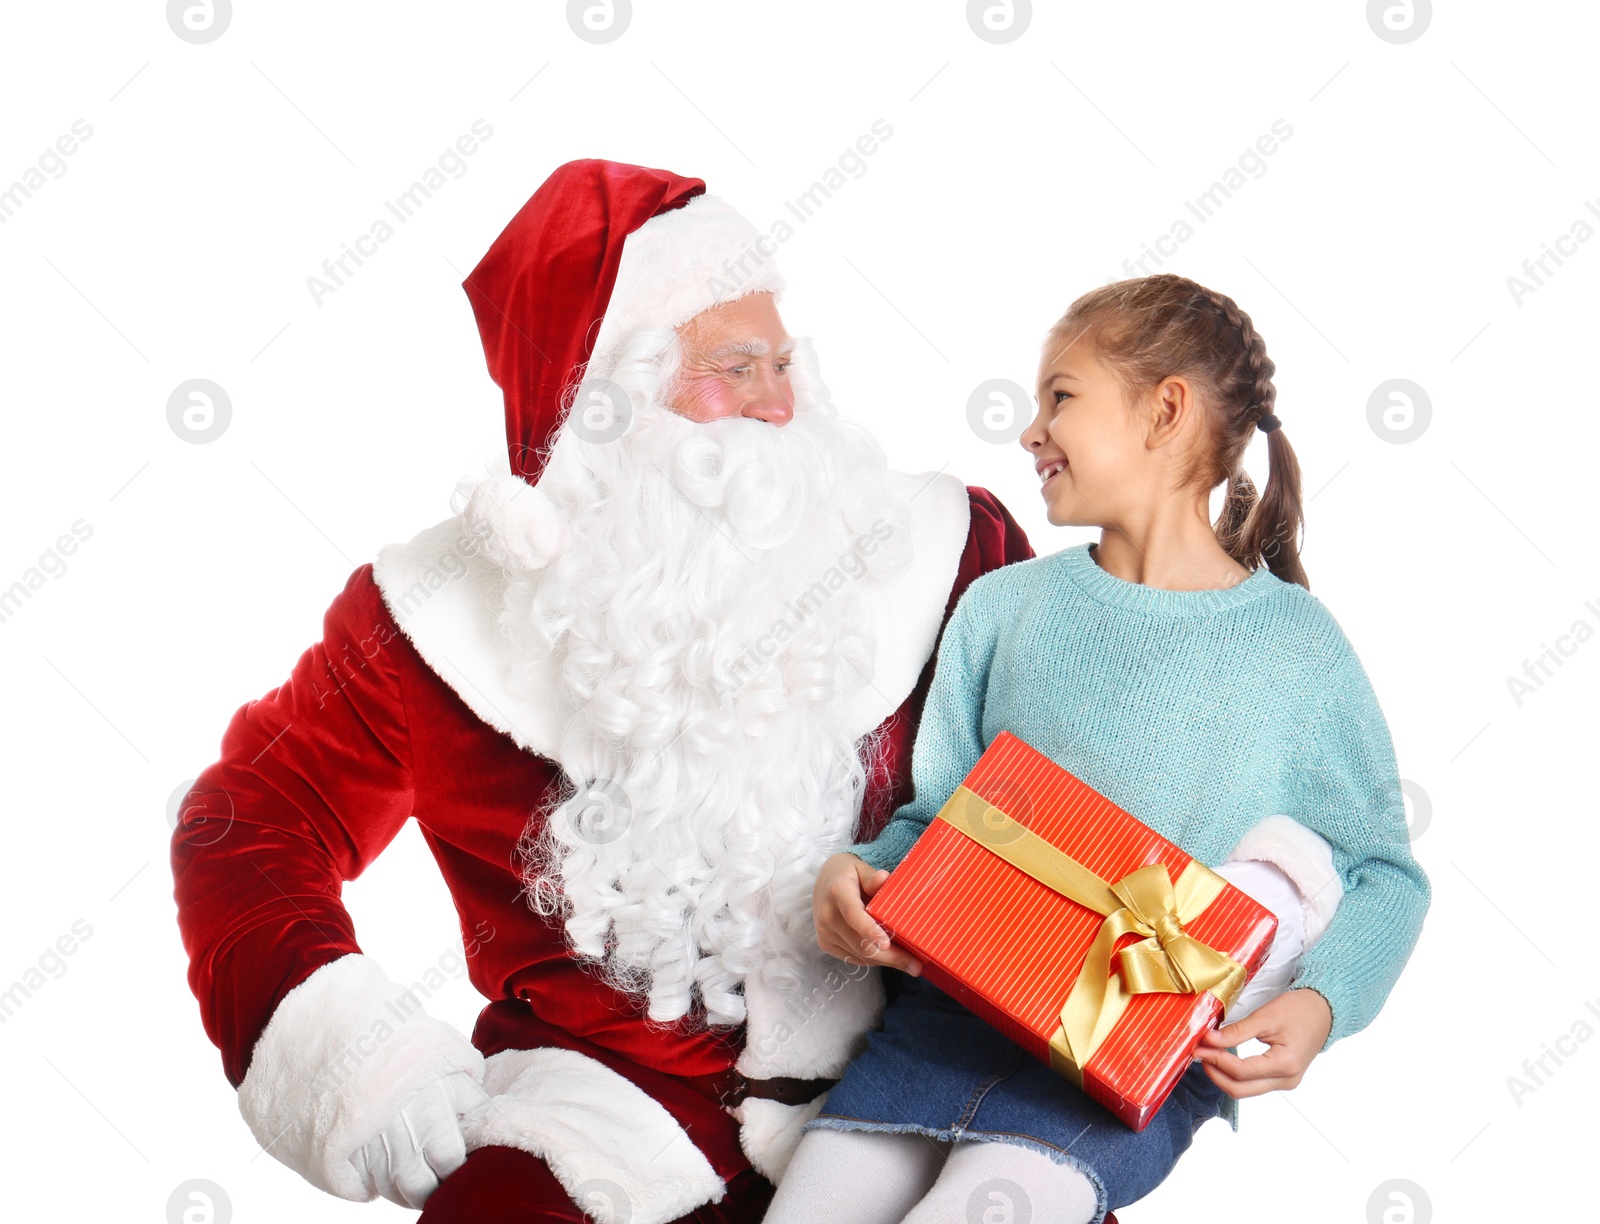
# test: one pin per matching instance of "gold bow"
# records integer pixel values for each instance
(1147, 901)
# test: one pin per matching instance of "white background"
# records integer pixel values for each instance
(1376, 245)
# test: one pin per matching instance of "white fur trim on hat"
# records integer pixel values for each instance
(680, 263)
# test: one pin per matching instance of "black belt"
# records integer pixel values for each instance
(730, 1088)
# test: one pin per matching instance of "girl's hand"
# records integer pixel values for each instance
(1295, 1024)
(844, 928)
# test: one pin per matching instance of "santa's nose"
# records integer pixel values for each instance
(773, 402)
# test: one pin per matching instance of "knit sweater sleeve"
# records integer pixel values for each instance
(1346, 787)
(950, 736)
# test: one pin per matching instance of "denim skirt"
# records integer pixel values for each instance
(938, 1070)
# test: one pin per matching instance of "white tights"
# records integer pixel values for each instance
(877, 1177)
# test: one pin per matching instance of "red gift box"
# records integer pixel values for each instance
(1012, 947)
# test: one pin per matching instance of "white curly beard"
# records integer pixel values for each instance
(707, 617)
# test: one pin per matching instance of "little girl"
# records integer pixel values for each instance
(1184, 671)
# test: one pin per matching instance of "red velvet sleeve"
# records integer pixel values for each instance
(315, 779)
(994, 539)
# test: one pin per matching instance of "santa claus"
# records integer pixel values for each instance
(634, 692)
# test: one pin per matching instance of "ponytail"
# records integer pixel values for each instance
(1266, 529)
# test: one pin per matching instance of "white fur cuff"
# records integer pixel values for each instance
(340, 1052)
(1305, 857)
(769, 1132)
(615, 1150)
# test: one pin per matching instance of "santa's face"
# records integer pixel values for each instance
(736, 359)
(705, 625)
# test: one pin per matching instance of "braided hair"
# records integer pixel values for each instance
(1151, 327)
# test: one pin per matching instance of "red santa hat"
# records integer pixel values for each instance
(600, 250)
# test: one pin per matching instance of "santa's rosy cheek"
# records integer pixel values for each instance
(706, 398)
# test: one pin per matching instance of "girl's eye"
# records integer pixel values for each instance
(1061, 395)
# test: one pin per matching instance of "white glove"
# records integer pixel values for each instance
(1275, 890)
(422, 1143)
(1289, 869)
(350, 1059)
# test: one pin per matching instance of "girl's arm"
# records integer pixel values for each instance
(1345, 785)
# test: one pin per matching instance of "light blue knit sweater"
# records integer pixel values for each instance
(1200, 712)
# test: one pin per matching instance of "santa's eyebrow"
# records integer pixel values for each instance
(751, 348)
(741, 348)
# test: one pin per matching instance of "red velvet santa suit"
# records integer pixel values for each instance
(400, 713)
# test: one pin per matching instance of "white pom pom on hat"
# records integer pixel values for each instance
(514, 523)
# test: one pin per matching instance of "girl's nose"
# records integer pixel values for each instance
(1032, 437)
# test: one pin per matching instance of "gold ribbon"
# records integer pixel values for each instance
(1146, 900)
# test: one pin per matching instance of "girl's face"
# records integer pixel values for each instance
(1090, 451)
